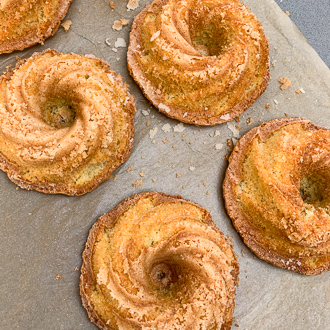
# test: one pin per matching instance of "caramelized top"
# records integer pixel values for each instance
(62, 114)
(158, 262)
(277, 184)
(198, 61)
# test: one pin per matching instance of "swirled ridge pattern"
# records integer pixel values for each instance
(67, 122)
(277, 193)
(201, 62)
(24, 23)
(158, 262)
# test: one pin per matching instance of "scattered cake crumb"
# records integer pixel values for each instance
(249, 121)
(129, 169)
(166, 128)
(153, 132)
(178, 175)
(153, 180)
(112, 5)
(165, 140)
(76, 269)
(217, 133)
(137, 183)
(218, 146)
(148, 123)
(58, 276)
(233, 129)
(286, 83)
(204, 183)
(118, 25)
(142, 174)
(267, 106)
(183, 187)
(17, 188)
(274, 63)
(288, 13)
(115, 178)
(66, 25)
(237, 119)
(145, 112)
(120, 42)
(132, 4)
(192, 168)
(179, 128)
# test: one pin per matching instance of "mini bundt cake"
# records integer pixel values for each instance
(24, 23)
(201, 62)
(66, 122)
(158, 262)
(277, 194)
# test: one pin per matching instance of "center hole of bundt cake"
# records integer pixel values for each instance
(209, 38)
(59, 113)
(163, 275)
(314, 190)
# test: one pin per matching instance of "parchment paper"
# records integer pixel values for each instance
(42, 236)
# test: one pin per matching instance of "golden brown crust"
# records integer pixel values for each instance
(25, 23)
(167, 59)
(271, 198)
(153, 212)
(67, 122)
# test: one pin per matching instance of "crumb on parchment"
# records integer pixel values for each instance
(249, 120)
(286, 83)
(137, 183)
(132, 4)
(118, 25)
(66, 25)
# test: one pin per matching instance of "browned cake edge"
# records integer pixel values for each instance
(247, 231)
(108, 220)
(138, 75)
(12, 170)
